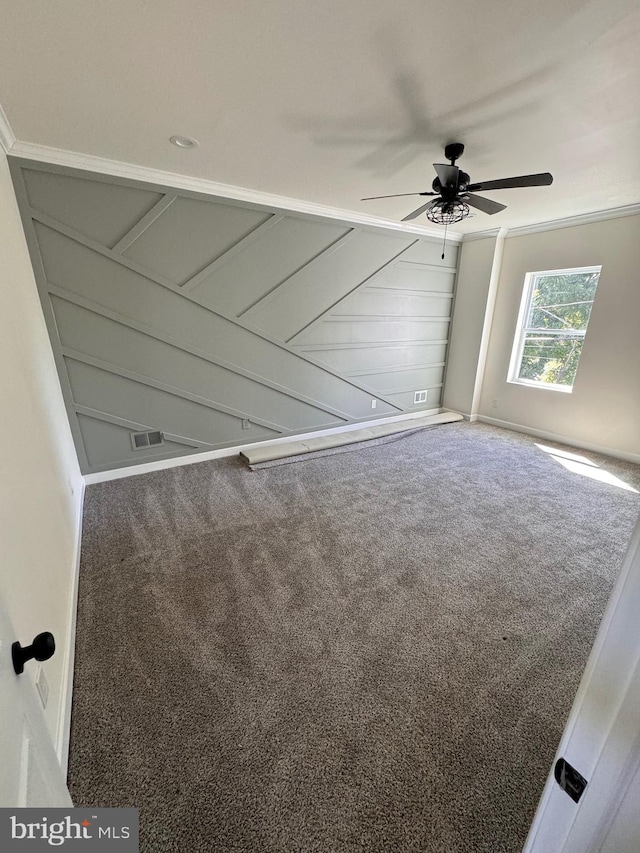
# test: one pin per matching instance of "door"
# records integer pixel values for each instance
(602, 738)
(30, 774)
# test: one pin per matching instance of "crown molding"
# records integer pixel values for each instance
(484, 235)
(131, 171)
(7, 136)
(555, 224)
(88, 162)
(579, 219)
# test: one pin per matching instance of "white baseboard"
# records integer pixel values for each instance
(64, 721)
(563, 439)
(192, 459)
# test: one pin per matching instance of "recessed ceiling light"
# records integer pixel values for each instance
(184, 141)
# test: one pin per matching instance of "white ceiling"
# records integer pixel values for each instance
(332, 100)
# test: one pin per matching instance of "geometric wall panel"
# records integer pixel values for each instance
(313, 290)
(191, 234)
(275, 255)
(361, 359)
(156, 363)
(219, 323)
(392, 331)
(354, 330)
(127, 399)
(104, 212)
(107, 441)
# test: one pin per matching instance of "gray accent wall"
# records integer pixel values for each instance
(222, 323)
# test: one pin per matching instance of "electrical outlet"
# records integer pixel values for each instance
(374, 403)
(494, 404)
(43, 686)
(246, 423)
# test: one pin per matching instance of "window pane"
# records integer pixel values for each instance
(562, 301)
(550, 358)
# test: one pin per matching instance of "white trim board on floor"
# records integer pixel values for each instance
(191, 459)
(262, 454)
(63, 734)
(561, 439)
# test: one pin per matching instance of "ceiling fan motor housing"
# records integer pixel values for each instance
(453, 150)
(463, 182)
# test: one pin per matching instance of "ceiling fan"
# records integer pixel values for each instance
(455, 193)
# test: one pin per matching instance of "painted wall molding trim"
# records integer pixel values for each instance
(492, 296)
(7, 137)
(562, 439)
(555, 224)
(92, 163)
(191, 459)
(131, 171)
(580, 219)
(483, 235)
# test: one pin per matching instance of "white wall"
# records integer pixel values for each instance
(472, 288)
(603, 411)
(40, 481)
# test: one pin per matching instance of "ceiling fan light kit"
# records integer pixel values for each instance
(455, 194)
(447, 212)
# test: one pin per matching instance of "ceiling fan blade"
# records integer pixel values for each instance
(542, 179)
(448, 175)
(397, 195)
(483, 204)
(417, 212)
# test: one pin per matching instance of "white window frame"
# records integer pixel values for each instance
(522, 329)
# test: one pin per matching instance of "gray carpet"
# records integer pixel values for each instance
(372, 652)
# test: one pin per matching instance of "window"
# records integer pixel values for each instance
(554, 314)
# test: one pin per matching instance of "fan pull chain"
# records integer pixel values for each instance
(444, 242)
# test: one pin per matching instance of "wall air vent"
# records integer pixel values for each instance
(146, 439)
(419, 397)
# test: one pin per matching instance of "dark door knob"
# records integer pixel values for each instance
(42, 648)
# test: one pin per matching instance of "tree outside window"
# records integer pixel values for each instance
(554, 315)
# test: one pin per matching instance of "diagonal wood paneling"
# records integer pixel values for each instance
(310, 292)
(164, 313)
(136, 231)
(191, 234)
(408, 305)
(243, 279)
(362, 359)
(109, 442)
(220, 323)
(102, 212)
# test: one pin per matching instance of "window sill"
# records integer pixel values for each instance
(547, 386)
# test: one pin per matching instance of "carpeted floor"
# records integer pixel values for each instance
(370, 652)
